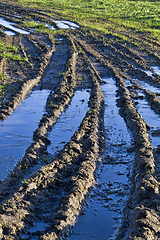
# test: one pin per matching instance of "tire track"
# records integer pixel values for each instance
(140, 217)
(82, 151)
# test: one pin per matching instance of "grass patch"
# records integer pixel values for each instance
(33, 24)
(8, 48)
(9, 51)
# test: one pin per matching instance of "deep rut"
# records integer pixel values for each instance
(115, 146)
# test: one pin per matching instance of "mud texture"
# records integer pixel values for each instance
(54, 195)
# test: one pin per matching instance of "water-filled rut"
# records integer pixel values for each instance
(16, 131)
(69, 121)
(108, 197)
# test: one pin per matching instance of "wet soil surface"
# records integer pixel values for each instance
(79, 133)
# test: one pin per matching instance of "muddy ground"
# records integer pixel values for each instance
(64, 63)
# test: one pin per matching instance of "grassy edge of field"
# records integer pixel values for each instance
(108, 16)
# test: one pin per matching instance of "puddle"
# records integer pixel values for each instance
(149, 115)
(156, 69)
(69, 121)
(147, 86)
(150, 73)
(9, 26)
(152, 118)
(49, 26)
(62, 25)
(45, 215)
(65, 24)
(16, 131)
(9, 33)
(59, 39)
(38, 227)
(17, 16)
(144, 85)
(71, 24)
(102, 216)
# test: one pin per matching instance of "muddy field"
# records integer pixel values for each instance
(79, 133)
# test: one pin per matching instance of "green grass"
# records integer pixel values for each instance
(34, 24)
(8, 48)
(9, 52)
(138, 15)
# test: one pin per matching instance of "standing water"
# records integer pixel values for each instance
(156, 69)
(144, 108)
(16, 131)
(151, 117)
(103, 213)
(69, 121)
(9, 26)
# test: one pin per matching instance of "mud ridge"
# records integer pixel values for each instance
(139, 212)
(153, 100)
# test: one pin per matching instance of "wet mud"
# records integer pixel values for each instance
(93, 146)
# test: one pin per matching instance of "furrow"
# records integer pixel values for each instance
(153, 100)
(144, 182)
(61, 97)
(121, 66)
(72, 170)
(122, 51)
(151, 97)
(37, 43)
(111, 158)
(24, 52)
(148, 48)
(138, 211)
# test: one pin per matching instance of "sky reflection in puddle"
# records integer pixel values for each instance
(156, 69)
(9, 33)
(147, 86)
(16, 131)
(8, 25)
(152, 118)
(62, 25)
(69, 121)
